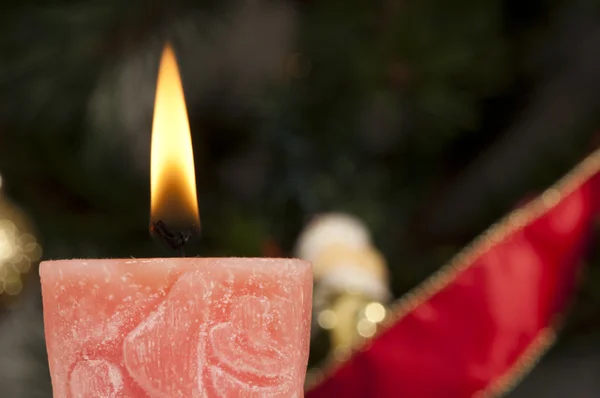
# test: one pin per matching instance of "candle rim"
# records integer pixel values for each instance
(290, 261)
(173, 258)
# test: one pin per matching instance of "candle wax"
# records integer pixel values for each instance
(177, 328)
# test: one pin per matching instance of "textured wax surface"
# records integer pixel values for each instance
(177, 328)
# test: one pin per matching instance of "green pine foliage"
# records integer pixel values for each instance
(411, 74)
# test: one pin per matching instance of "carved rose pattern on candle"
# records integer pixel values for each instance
(177, 330)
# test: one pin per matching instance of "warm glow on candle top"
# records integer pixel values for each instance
(173, 180)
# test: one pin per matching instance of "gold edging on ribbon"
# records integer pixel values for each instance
(461, 262)
(542, 343)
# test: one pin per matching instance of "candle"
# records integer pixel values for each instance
(176, 327)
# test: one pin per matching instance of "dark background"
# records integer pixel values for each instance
(428, 119)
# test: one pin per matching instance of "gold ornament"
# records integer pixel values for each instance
(351, 280)
(19, 249)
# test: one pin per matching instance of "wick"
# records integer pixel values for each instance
(175, 240)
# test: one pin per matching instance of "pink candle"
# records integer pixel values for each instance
(177, 327)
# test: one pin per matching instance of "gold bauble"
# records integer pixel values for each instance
(19, 249)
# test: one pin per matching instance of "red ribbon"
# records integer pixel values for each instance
(475, 331)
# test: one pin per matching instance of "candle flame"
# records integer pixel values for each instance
(173, 180)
